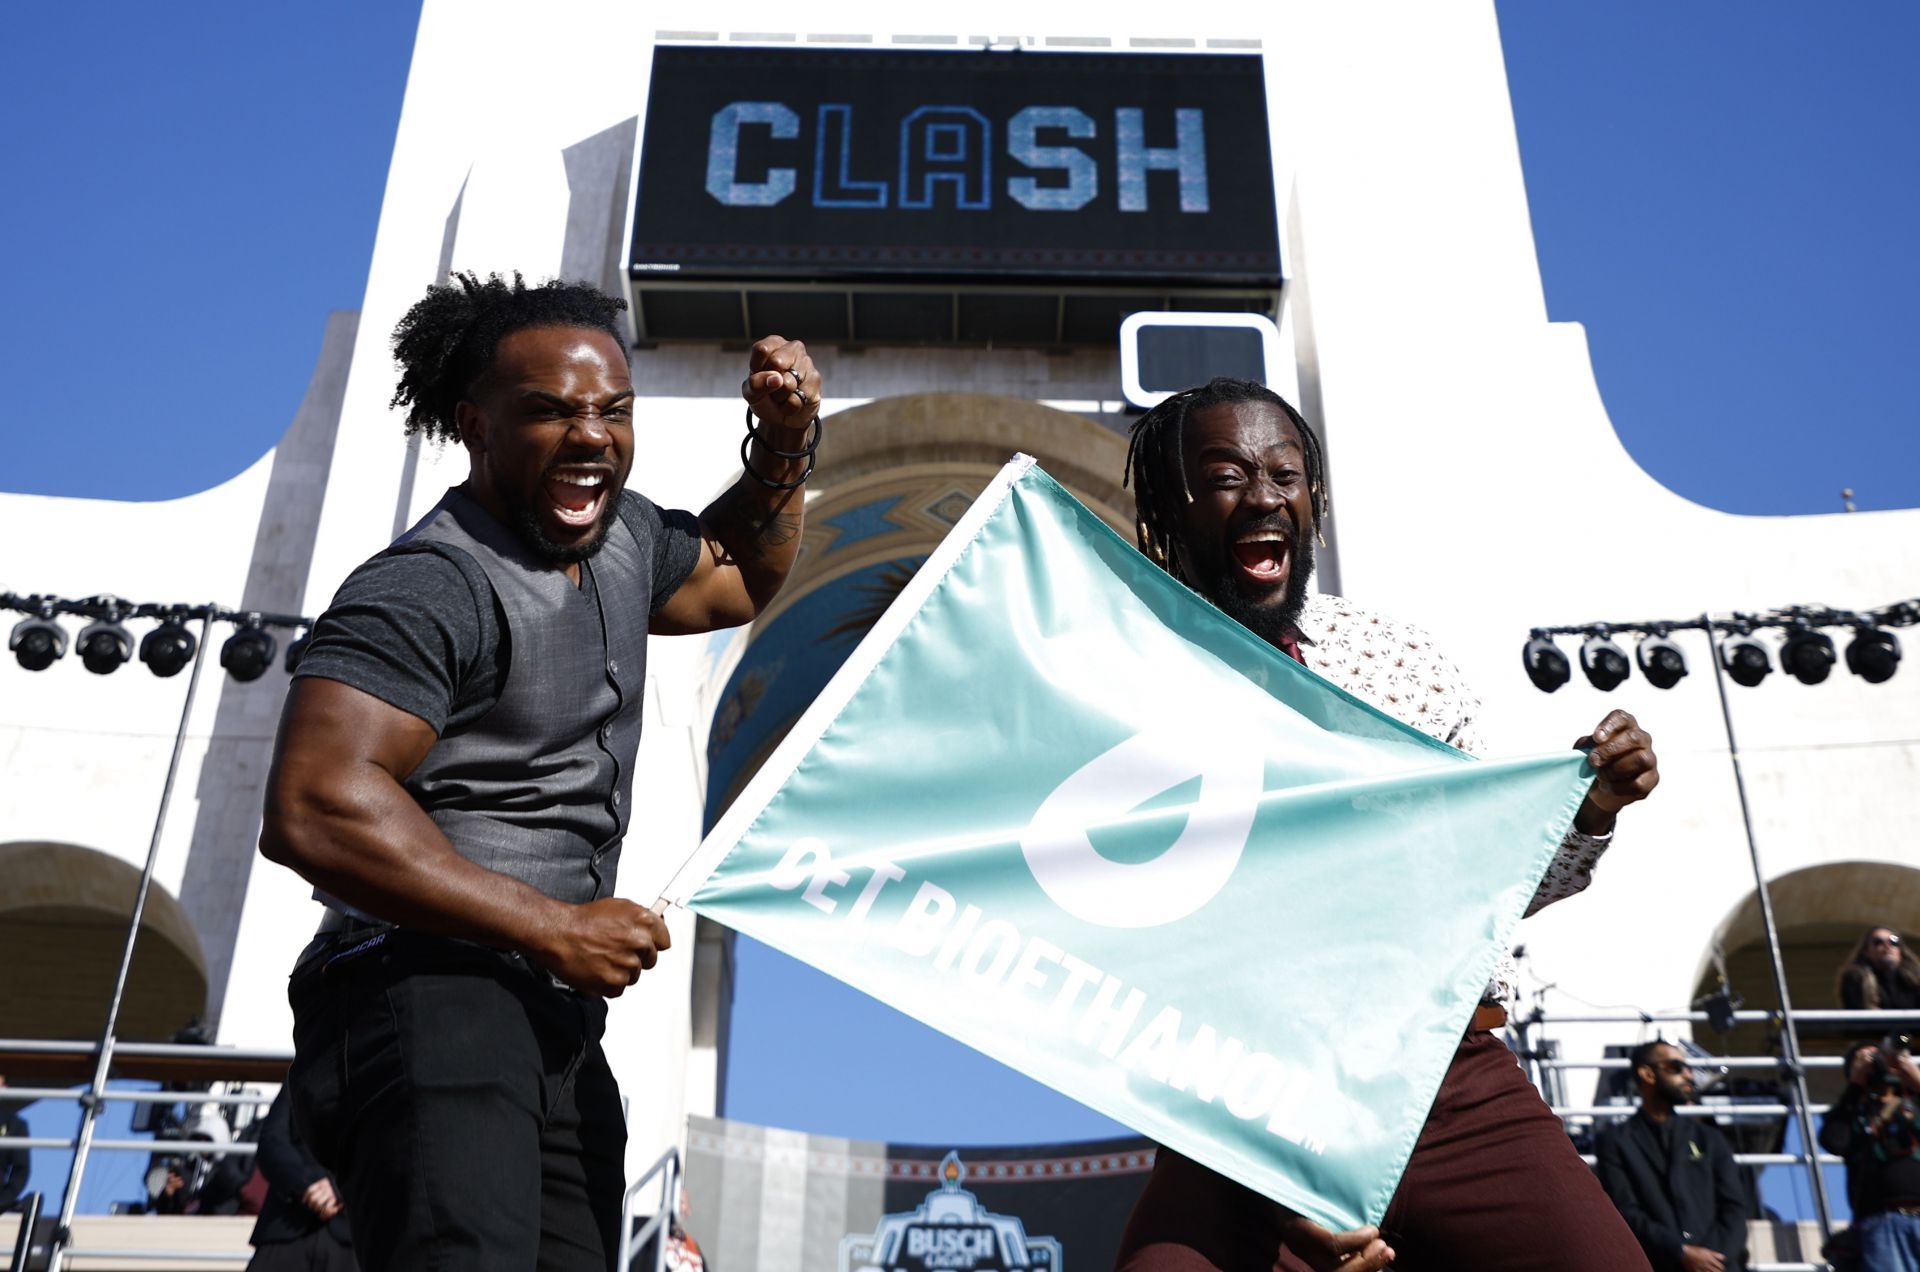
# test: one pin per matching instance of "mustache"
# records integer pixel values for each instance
(577, 466)
(1277, 522)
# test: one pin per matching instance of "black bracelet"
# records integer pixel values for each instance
(746, 464)
(805, 452)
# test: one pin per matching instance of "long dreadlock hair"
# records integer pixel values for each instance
(1860, 973)
(447, 340)
(1157, 466)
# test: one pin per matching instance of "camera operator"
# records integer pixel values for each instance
(189, 1183)
(1872, 1128)
(180, 1181)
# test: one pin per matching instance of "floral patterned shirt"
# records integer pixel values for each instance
(1394, 666)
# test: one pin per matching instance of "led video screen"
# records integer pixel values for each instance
(870, 164)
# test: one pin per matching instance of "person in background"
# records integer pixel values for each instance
(184, 1182)
(1673, 1178)
(1882, 975)
(1871, 1128)
(683, 1253)
(303, 1223)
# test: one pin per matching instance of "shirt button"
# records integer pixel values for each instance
(613, 667)
(616, 799)
(606, 732)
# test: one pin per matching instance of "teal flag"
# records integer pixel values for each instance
(1060, 808)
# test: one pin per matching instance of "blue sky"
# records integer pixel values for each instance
(1727, 205)
(1726, 202)
(1725, 197)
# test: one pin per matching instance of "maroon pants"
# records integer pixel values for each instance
(1493, 1185)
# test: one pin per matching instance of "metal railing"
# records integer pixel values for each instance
(212, 1061)
(1544, 1068)
(157, 1256)
(657, 1227)
(23, 1248)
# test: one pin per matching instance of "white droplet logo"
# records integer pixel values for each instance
(1071, 871)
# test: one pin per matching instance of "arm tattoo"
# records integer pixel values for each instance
(747, 526)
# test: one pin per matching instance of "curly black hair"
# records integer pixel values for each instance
(447, 339)
(1155, 462)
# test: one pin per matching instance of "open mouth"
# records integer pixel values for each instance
(1263, 556)
(577, 495)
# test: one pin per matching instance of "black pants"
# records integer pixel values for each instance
(317, 1251)
(1493, 1185)
(464, 1104)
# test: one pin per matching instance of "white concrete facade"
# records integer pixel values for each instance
(1479, 487)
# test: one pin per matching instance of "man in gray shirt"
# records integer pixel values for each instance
(454, 773)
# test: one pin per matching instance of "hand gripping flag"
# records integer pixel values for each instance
(1060, 808)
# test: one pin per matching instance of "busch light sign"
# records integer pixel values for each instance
(948, 1232)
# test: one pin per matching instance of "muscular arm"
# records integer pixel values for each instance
(337, 814)
(750, 536)
(751, 533)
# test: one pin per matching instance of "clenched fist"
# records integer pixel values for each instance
(1625, 770)
(603, 946)
(782, 385)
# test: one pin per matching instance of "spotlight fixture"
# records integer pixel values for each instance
(1873, 654)
(1807, 649)
(249, 651)
(1661, 661)
(1604, 663)
(104, 645)
(169, 647)
(1746, 660)
(1546, 665)
(1807, 655)
(297, 648)
(37, 641)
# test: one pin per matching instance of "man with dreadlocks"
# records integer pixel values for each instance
(1231, 493)
(454, 774)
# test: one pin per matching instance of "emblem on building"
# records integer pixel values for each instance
(948, 1232)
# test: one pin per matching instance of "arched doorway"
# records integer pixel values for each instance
(1821, 912)
(895, 475)
(64, 911)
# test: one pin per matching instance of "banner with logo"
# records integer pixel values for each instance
(1063, 810)
(760, 1196)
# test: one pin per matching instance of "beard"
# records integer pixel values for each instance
(1271, 620)
(527, 522)
(1676, 1092)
